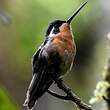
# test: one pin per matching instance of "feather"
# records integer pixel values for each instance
(38, 85)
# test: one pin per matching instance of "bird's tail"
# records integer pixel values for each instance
(26, 103)
(38, 86)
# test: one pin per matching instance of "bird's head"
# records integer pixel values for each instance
(56, 25)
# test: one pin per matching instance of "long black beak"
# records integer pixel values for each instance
(76, 12)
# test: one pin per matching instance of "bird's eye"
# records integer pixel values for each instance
(56, 30)
(56, 26)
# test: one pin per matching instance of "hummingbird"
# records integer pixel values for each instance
(53, 59)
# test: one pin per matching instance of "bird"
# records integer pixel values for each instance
(53, 59)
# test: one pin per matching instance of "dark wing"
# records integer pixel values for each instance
(35, 59)
(40, 81)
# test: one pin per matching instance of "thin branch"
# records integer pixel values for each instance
(70, 96)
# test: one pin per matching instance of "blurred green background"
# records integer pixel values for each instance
(22, 28)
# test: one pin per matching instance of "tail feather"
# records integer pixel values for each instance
(26, 103)
(39, 84)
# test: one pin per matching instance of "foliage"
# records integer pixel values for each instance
(6, 102)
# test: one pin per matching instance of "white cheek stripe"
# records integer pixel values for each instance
(51, 33)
